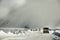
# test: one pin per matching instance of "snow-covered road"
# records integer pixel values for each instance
(27, 36)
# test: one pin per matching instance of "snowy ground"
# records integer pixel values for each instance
(30, 35)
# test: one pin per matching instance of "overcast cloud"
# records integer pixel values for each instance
(30, 13)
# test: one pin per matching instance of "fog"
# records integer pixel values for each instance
(29, 13)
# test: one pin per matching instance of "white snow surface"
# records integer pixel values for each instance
(29, 35)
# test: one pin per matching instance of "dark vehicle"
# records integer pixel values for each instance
(45, 30)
